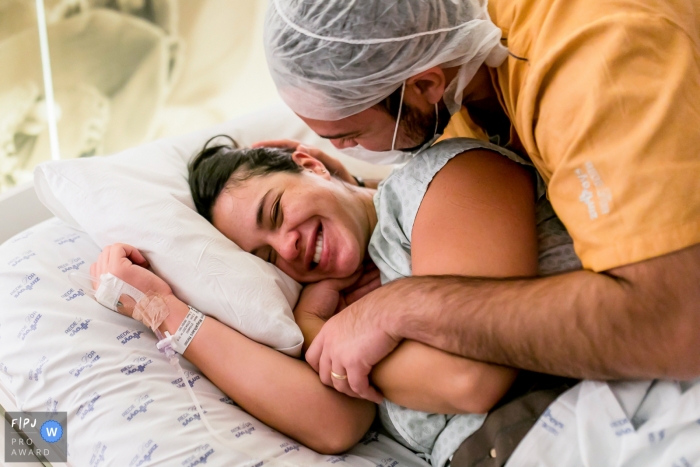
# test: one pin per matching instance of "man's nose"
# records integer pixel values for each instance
(343, 143)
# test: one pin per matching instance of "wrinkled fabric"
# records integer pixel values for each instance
(331, 59)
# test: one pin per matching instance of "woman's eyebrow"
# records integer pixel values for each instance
(261, 206)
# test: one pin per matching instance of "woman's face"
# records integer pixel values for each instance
(308, 224)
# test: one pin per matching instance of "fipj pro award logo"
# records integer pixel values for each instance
(32, 436)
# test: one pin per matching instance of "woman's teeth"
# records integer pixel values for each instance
(319, 248)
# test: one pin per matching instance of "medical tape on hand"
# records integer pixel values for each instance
(111, 288)
(151, 310)
(187, 330)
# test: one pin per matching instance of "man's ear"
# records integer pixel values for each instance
(426, 88)
(308, 162)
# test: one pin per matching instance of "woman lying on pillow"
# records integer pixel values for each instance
(462, 207)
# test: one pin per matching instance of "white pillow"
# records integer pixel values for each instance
(127, 407)
(141, 197)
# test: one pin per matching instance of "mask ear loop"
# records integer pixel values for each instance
(437, 118)
(398, 117)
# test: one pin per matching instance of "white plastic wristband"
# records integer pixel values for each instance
(187, 330)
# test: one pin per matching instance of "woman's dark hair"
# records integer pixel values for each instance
(215, 167)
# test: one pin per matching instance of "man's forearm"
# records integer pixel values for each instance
(640, 321)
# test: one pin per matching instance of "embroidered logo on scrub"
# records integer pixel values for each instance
(594, 194)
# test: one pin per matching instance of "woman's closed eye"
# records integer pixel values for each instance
(277, 216)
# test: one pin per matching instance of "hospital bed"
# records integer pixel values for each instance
(61, 351)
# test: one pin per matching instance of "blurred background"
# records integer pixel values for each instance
(124, 72)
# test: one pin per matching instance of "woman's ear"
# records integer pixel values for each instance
(427, 87)
(310, 163)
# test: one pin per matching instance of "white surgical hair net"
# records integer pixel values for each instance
(331, 59)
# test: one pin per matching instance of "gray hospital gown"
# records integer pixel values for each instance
(434, 436)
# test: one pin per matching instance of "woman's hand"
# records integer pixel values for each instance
(320, 301)
(128, 264)
(334, 166)
(326, 298)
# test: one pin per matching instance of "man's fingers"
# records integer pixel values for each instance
(341, 384)
(277, 143)
(358, 381)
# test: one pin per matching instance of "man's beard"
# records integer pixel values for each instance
(419, 127)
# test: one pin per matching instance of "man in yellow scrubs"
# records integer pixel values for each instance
(603, 97)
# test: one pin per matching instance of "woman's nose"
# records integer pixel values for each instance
(289, 245)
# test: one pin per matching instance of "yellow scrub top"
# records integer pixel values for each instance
(604, 96)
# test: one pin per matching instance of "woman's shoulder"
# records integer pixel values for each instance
(400, 195)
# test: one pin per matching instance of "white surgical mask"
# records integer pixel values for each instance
(394, 156)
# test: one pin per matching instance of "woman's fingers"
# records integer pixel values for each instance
(324, 370)
(362, 389)
(357, 294)
(364, 279)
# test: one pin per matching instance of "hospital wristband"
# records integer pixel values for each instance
(187, 330)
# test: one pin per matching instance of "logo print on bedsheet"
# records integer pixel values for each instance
(4, 371)
(550, 423)
(38, 369)
(192, 377)
(682, 462)
(86, 362)
(27, 284)
(70, 238)
(336, 459)
(144, 454)
(22, 257)
(289, 447)
(20, 237)
(128, 335)
(72, 265)
(77, 326)
(189, 416)
(140, 405)
(51, 405)
(243, 429)
(622, 427)
(388, 462)
(72, 294)
(139, 366)
(200, 457)
(227, 400)
(98, 454)
(31, 321)
(88, 406)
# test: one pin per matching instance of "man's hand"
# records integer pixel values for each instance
(350, 344)
(334, 166)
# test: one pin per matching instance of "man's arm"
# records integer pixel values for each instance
(636, 321)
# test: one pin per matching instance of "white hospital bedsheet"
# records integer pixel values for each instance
(61, 351)
(634, 424)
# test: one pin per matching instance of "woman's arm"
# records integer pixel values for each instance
(476, 219)
(281, 391)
